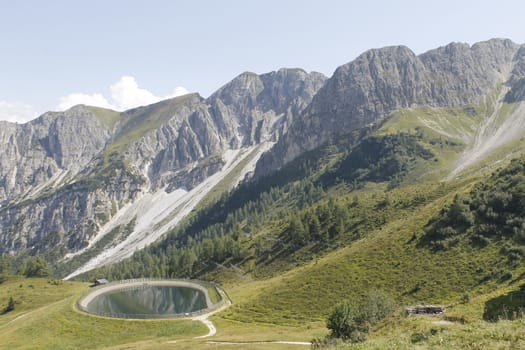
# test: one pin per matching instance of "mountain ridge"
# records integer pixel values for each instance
(176, 143)
(381, 81)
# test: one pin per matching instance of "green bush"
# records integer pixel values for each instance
(351, 321)
(466, 298)
(342, 321)
(37, 267)
(10, 306)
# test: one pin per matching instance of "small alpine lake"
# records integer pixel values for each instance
(146, 301)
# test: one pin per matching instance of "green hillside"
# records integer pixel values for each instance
(366, 212)
(363, 213)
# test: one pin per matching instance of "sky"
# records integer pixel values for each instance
(120, 54)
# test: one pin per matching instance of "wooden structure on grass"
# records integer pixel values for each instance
(100, 281)
(425, 310)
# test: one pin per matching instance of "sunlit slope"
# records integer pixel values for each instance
(468, 139)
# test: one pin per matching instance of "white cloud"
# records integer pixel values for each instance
(179, 91)
(125, 94)
(16, 112)
(84, 99)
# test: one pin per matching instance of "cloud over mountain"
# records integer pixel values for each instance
(125, 94)
(16, 112)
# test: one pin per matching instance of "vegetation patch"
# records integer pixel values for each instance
(493, 211)
(510, 306)
(380, 159)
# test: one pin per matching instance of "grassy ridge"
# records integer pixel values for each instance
(108, 117)
(139, 121)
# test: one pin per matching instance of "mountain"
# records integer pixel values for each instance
(401, 176)
(69, 179)
(382, 81)
(89, 186)
(54, 146)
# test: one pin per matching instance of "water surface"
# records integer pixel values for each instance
(148, 300)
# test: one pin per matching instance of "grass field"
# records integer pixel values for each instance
(45, 318)
(48, 320)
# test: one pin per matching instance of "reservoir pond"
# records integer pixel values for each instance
(148, 301)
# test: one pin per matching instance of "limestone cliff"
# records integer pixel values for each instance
(65, 175)
(381, 81)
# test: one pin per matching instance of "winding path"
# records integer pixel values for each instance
(204, 319)
(307, 343)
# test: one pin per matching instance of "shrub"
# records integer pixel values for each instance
(506, 275)
(351, 321)
(342, 321)
(466, 298)
(37, 267)
(10, 306)
(480, 240)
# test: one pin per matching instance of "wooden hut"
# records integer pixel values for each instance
(425, 310)
(100, 281)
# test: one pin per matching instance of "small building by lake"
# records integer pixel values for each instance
(100, 281)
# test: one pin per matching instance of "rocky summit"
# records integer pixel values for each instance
(65, 175)
(381, 81)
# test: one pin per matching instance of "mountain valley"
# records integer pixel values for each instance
(401, 174)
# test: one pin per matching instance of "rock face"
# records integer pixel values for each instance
(381, 81)
(252, 109)
(64, 175)
(35, 153)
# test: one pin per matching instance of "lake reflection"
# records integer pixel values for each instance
(149, 300)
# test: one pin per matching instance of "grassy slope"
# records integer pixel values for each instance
(290, 302)
(388, 258)
(108, 117)
(45, 318)
(138, 122)
(455, 128)
(445, 132)
(292, 306)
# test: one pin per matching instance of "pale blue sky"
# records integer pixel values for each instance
(51, 49)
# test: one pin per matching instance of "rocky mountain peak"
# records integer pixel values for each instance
(253, 108)
(380, 81)
(82, 166)
(245, 87)
(44, 150)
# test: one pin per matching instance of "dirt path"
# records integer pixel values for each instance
(204, 319)
(306, 343)
(23, 315)
(443, 323)
(213, 330)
